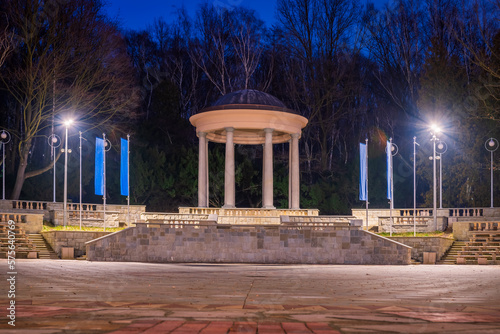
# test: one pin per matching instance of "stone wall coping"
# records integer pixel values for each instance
(381, 237)
(107, 235)
(76, 231)
(423, 237)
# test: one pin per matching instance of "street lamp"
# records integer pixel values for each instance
(5, 137)
(107, 147)
(67, 124)
(491, 145)
(392, 150)
(441, 149)
(415, 185)
(54, 142)
(435, 130)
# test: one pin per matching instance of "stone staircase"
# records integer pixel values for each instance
(450, 257)
(44, 249)
(482, 248)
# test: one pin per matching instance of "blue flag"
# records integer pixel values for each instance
(362, 172)
(124, 167)
(99, 167)
(389, 163)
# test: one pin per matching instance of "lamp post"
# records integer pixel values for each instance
(441, 149)
(415, 185)
(67, 124)
(54, 142)
(491, 145)
(434, 131)
(392, 151)
(5, 137)
(107, 147)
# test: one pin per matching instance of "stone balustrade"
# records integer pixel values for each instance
(29, 205)
(30, 222)
(145, 216)
(247, 212)
(93, 214)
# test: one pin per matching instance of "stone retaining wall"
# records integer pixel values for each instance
(75, 239)
(420, 245)
(248, 244)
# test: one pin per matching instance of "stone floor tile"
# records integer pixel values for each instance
(190, 327)
(164, 327)
(450, 316)
(216, 327)
(295, 328)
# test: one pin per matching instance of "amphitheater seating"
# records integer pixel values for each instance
(24, 247)
(483, 246)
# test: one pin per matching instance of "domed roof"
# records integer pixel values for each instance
(249, 113)
(249, 96)
(249, 99)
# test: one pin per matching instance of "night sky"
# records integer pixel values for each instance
(137, 15)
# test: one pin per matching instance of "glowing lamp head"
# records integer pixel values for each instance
(435, 128)
(54, 139)
(67, 123)
(3, 135)
(491, 143)
(440, 146)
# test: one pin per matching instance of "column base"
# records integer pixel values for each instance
(269, 207)
(228, 207)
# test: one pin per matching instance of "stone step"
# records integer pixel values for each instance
(45, 251)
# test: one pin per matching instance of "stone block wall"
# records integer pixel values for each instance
(248, 244)
(420, 245)
(75, 239)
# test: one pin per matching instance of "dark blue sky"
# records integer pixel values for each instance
(137, 14)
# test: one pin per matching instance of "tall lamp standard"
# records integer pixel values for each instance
(54, 142)
(5, 137)
(435, 130)
(415, 185)
(441, 149)
(392, 150)
(491, 145)
(67, 124)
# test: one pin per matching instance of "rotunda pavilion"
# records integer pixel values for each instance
(249, 117)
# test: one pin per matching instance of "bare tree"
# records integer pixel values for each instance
(66, 44)
(5, 41)
(228, 46)
(322, 47)
(478, 32)
(397, 43)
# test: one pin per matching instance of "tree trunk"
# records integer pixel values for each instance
(21, 170)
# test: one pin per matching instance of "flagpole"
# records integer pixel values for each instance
(104, 179)
(80, 179)
(414, 186)
(128, 179)
(366, 182)
(389, 152)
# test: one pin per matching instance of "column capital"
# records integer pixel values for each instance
(229, 129)
(201, 134)
(268, 130)
(295, 135)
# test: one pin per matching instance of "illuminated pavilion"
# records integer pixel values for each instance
(249, 117)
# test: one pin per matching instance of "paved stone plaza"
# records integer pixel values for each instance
(62, 296)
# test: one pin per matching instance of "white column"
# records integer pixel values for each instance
(229, 183)
(267, 174)
(207, 174)
(295, 172)
(290, 172)
(202, 171)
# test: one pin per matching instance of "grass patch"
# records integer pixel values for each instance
(419, 234)
(77, 228)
